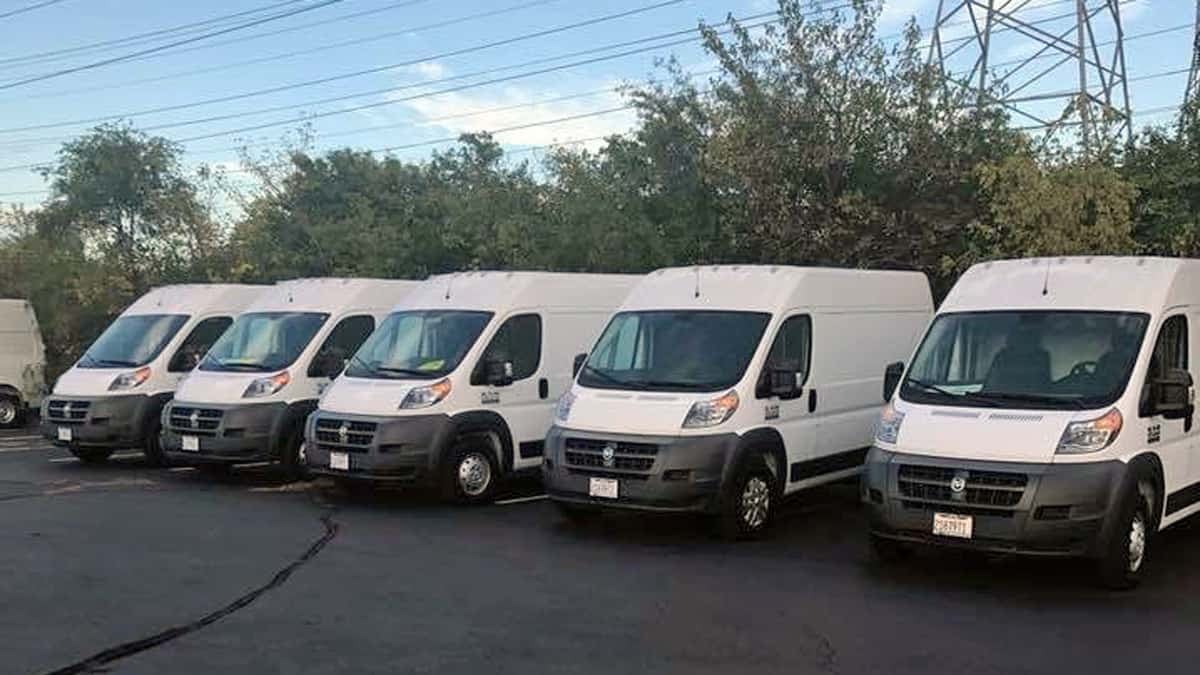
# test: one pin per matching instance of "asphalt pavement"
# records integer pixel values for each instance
(129, 569)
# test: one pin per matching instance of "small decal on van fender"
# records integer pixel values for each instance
(489, 397)
(771, 412)
(1154, 433)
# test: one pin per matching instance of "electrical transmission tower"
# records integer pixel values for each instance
(1193, 85)
(1056, 66)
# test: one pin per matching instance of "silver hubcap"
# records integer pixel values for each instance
(756, 502)
(8, 411)
(474, 474)
(1137, 542)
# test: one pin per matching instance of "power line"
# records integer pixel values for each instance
(29, 8)
(140, 37)
(151, 50)
(352, 74)
(294, 53)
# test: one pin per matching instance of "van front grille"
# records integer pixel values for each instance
(586, 454)
(935, 484)
(68, 412)
(334, 435)
(195, 421)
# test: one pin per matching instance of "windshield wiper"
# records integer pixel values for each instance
(675, 386)
(114, 362)
(405, 371)
(966, 395)
(1035, 398)
(612, 379)
(245, 365)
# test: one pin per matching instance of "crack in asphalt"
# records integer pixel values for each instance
(96, 662)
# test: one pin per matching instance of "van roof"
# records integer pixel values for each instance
(503, 291)
(1091, 282)
(332, 295)
(195, 299)
(775, 288)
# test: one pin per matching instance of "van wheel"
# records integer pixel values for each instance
(292, 457)
(748, 501)
(152, 446)
(469, 474)
(10, 413)
(889, 550)
(1121, 563)
(92, 455)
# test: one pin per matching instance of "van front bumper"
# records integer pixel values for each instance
(396, 449)
(111, 422)
(226, 433)
(654, 473)
(1022, 508)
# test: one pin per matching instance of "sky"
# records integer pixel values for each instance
(435, 70)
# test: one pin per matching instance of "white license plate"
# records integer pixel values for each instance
(64, 434)
(953, 525)
(191, 443)
(603, 487)
(339, 461)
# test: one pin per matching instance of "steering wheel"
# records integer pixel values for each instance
(1083, 368)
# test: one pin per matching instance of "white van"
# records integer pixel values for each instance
(248, 399)
(458, 386)
(111, 397)
(22, 362)
(1049, 411)
(722, 389)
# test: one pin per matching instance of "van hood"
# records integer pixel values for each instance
(218, 387)
(986, 434)
(363, 396)
(91, 382)
(631, 412)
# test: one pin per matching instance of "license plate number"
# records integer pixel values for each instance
(605, 488)
(64, 434)
(953, 525)
(339, 461)
(191, 443)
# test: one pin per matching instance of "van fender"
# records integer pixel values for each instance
(294, 417)
(1149, 464)
(11, 391)
(486, 424)
(765, 440)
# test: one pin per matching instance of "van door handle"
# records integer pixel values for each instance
(812, 400)
(544, 388)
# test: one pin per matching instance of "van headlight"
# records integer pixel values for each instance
(130, 380)
(1090, 435)
(711, 413)
(423, 397)
(563, 410)
(887, 430)
(265, 386)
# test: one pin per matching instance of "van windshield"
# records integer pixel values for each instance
(418, 344)
(1026, 359)
(677, 350)
(132, 341)
(263, 341)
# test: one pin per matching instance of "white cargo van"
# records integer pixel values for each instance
(722, 389)
(111, 397)
(1049, 411)
(248, 399)
(458, 386)
(22, 362)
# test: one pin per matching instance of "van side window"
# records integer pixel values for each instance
(1170, 353)
(518, 340)
(341, 343)
(197, 343)
(790, 351)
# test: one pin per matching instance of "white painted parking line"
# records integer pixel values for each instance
(124, 455)
(28, 448)
(177, 469)
(8, 439)
(521, 500)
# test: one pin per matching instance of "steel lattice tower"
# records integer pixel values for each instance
(1057, 66)
(1193, 85)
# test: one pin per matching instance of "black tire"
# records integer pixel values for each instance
(1123, 560)
(469, 473)
(152, 447)
(747, 504)
(889, 551)
(579, 516)
(291, 458)
(12, 413)
(92, 455)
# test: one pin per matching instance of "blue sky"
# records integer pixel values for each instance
(405, 32)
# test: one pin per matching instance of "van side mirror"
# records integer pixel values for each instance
(891, 379)
(577, 365)
(1172, 395)
(784, 383)
(498, 373)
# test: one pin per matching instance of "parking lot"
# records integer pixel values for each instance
(142, 570)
